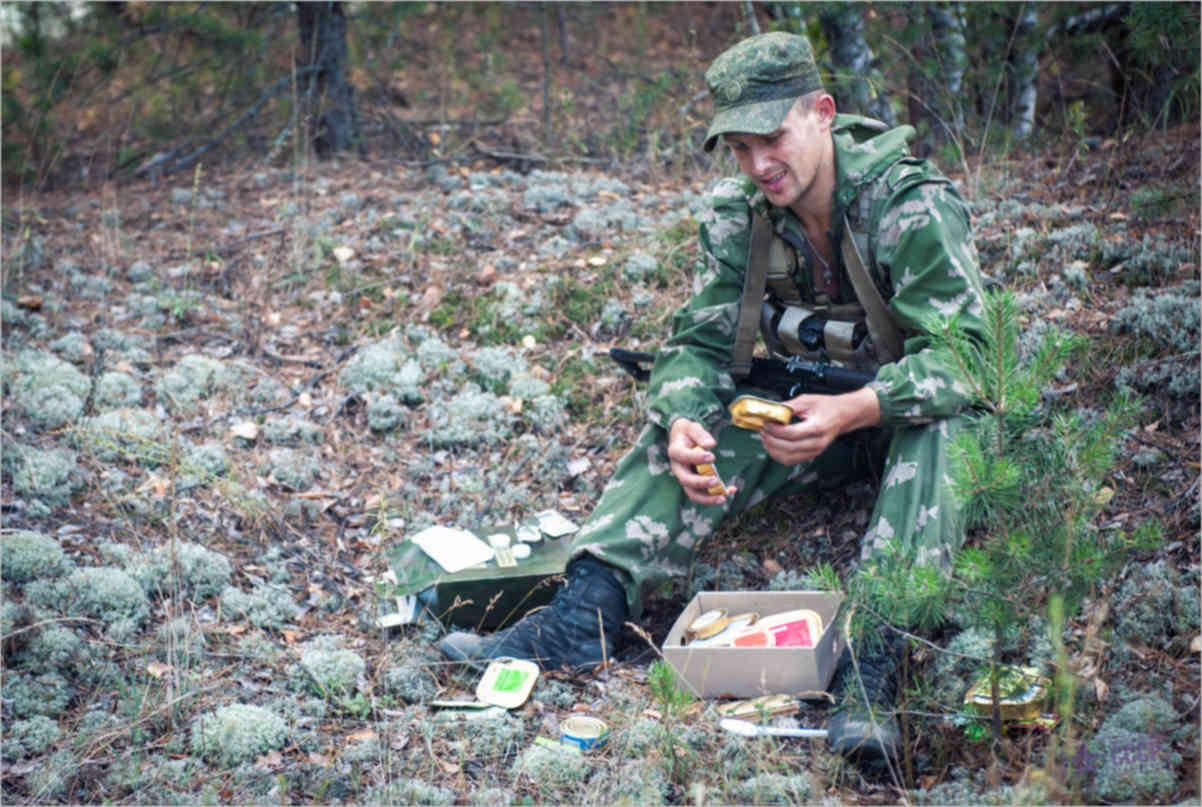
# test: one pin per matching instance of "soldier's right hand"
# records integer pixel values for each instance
(689, 445)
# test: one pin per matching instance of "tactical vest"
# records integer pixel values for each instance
(859, 334)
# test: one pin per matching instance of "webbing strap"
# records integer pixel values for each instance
(753, 294)
(886, 338)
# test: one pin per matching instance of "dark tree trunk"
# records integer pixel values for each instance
(330, 97)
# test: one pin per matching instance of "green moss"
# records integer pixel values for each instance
(105, 593)
(267, 605)
(331, 668)
(136, 435)
(116, 390)
(48, 477)
(237, 733)
(26, 555)
(46, 694)
(294, 468)
(193, 570)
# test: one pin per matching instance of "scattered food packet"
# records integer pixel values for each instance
(554, 525)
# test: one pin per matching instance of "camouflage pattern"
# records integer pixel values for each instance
(917, 244)
(755, 83)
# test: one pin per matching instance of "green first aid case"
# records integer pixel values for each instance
(487, 596)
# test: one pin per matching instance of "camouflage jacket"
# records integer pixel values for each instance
(919, 252)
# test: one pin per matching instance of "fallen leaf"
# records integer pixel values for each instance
(772, 567)
(1104, 495)
(449, 767)
(247, 430)
(158, 669)
(435, 137)
(271, 759)
(290, 636)
(1195, 645)
(320, 760)
(431, 296)
(362, 736)
(487, 275)
(31, 301)
(651, 713)
(235, 630)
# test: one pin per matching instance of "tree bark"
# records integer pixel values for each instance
(1025, 62)
(330, 97)
(858, 85)
(947, 30)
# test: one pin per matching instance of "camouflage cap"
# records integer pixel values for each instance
(755, 82)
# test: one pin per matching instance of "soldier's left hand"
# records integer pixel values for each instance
(819, 419)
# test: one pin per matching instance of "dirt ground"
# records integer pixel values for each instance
(292, 273)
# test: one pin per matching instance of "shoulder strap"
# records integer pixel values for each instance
(885, 335)
(753, 294)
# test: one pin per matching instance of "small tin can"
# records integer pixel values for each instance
(584, 732)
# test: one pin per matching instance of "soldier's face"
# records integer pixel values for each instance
(784, 164)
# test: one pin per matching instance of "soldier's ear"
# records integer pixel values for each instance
(824, 107)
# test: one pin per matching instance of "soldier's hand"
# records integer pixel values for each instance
(689, 445)
(819, 420)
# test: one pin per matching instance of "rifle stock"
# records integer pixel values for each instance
(785, 377)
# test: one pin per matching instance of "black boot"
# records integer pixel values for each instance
(577, 629)
(867, 729)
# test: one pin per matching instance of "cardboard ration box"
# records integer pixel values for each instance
(523, 573)
(751, 671)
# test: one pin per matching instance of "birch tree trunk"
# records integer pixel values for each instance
(947, 31)
(1025, 61)
(322, 28)
(858, 86)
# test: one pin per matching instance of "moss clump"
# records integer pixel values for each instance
(195, 571)
(201, 465)
(30, 737)
(413, 683)
(470, 418)
(237, 733)
(404, 790)
(639, 267)
(116, 390)
(267, 605)
(1131, 766)
(105, 593)
(126, 434)
(72, 346)
(292, 468)
(56, 647)
(379, 367)
(49, 391)
(1154, 607)
(291, 431)
(46, 694)
(433, 354)
(482, 736)
(332, 668)
(385, 413)
(641, 781)
(26, 555)
(194, 378)
(772, 788)
(47, 477)
(551, 770)
(494, 366)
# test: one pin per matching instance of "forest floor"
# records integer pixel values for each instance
(227, 396)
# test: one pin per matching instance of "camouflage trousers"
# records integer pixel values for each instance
(646, 526)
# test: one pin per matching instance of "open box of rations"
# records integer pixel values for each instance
(744, 672)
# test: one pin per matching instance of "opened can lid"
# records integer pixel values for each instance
(507, 682)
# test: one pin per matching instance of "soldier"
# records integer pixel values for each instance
(819, 183)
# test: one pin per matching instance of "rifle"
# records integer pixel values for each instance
(785, 377)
